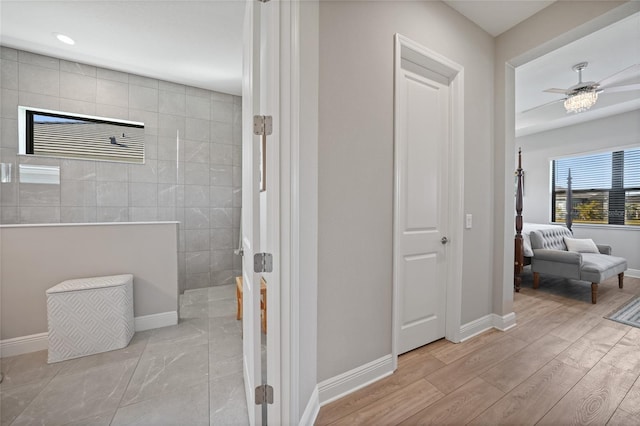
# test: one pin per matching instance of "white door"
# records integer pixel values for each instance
(251, 209)
(423, 120)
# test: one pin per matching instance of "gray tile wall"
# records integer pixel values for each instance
(192, 171)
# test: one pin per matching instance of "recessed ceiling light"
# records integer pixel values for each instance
(64, 38)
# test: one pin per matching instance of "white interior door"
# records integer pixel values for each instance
(423, 120)
(251, 209)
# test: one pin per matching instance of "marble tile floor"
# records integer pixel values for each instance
(188, 374)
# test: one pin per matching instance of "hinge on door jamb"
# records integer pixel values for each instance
(262, 262)
(263, 1)
(264, 394)
(262, 124)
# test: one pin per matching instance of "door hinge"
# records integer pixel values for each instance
(263, 1)
(264, 395)
(262, 262)
(262, 125)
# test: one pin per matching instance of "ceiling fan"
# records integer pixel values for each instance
(583, 95)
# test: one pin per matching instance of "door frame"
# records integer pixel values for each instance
(438, 64)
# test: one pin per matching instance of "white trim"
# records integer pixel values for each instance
(24, 345)
(487, 322)
(455, 73)
(343, 384)
(634, 273)
(149, 322)
(39, 342)
(312, 409)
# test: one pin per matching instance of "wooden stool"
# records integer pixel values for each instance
(263, 301)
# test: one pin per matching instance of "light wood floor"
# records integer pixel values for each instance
(562, 364)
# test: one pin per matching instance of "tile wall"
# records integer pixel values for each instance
(192, 171)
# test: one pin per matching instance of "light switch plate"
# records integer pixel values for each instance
(469, 221)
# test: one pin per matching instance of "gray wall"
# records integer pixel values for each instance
(35, 258)
(198, 184)
(355, 191)
(619, 131)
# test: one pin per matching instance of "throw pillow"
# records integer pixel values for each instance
(581, 245)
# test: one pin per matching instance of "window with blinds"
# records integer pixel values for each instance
(605, 188)
(60, 134)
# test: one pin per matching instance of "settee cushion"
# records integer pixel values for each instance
(581, 245)
(598, 267)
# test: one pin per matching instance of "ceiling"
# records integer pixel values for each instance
(608, 51)
(496, 17)
(199, 43)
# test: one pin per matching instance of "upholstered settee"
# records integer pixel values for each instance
(582, 260)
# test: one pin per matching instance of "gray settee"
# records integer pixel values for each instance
(550, 256)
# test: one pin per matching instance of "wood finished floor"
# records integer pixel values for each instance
(562, 364)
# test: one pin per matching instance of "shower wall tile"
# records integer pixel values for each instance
(197, 218)
(192, 171)
(115, 172)
(35, 194)
(78, 193)
(221, 154)
(221, 196)
(9, 78)
(221, 175)
(77, 68)
(78, 214)
(39, 214)
(111, 92)
(77, 170)
(143, 98)
(37, 79)
(78, 107)
(196, 174)
(112, 194)
(79, 87)
(198, 107)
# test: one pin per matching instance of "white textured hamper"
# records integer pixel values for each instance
(89, 315)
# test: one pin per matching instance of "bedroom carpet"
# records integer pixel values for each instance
(628, 314)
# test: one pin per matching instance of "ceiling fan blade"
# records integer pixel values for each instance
(542, 106)
(554, 90)
(626, 88)
(621, 75)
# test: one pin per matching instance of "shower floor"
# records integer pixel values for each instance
(190, 373)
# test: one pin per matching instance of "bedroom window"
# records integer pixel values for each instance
(605, 188)
(66, 135)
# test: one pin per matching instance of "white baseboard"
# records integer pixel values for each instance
(149, 322)
(336, 387)
(487, 322)
(39, 342)
(23, 345)
(634, 273)
(311, 410)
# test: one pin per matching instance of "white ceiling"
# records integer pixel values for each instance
(197, 43)
(607, 51)
(496, 17)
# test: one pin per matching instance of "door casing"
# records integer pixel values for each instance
(409, 50)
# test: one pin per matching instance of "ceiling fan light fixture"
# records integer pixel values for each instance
(581, 101)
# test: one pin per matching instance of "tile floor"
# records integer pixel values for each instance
(188, 374)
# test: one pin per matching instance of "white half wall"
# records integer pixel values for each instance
(37, 257)
(618, 131)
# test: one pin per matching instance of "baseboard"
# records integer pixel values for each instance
(39, 342)
(149, 322)
(23, 345)
(312, 409)
(634, 273)
(336, 387)
(487, 322)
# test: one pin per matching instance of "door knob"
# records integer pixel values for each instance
(444, 240)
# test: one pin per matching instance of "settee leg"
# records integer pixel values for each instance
(536, 279)
(594, 292)
(620, 279)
